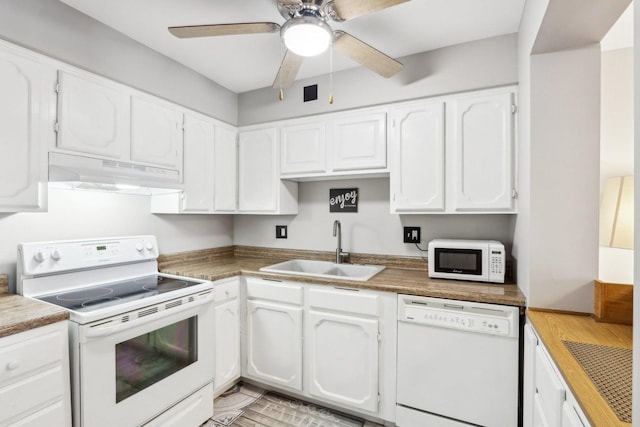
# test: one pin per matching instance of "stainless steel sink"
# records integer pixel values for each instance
(327, 269)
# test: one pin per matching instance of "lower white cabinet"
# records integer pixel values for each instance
(227, 335)
(547, 400)
(329, 344)
(34, 381)
(274, 333)
(342, 350)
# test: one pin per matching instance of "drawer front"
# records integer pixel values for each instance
(54, 414)
(549, 389)
(33, 352)
(346, 300)
(227, 291)
(31, 393)
(274, 291)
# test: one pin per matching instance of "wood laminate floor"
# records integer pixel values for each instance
(248, 406)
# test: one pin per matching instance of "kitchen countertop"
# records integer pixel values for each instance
(392, 279)
(553, 328)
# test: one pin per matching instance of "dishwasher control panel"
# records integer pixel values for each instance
(474, 317)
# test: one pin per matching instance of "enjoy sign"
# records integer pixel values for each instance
(343, 200)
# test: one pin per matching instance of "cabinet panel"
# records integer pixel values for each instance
(155, 133)
(93, 117)
(258, 171)
(550, 393)
(303, 148)
(23, 128)
(359, 142)
(227, 336)
(348, 376)
(225, 170)
(569, 416)
(418, 167)
(274, 343)
(198, 170)
(484, 152)
(529, 387)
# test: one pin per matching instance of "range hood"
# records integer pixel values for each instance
(88, 173)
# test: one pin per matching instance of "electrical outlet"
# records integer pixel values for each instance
(412, 234)
(281, 231)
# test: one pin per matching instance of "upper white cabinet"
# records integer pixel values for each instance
(25, 129)
(454, 154)
(101, 118)
(483, 155)
(417, 177)
(93, 116)
(210, 169)
(260, 189)
(359, 142)
(303, 147)
(156, 132)
(225, 169)
(334, 145)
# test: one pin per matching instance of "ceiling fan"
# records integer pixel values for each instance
(307, 33)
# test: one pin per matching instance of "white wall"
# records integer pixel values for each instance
(59, 31)
(371, 230)
(636, 243)
(86, 214)
(616, 148)
(474, 65)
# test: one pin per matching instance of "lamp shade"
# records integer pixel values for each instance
(616, 213)
(306, 35)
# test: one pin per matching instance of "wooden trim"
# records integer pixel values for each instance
(4, 284)
(551, 310)
(613, 303)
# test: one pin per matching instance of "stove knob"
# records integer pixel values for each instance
(56, 254)
(149, 246)
(139, 247)
(39, 256)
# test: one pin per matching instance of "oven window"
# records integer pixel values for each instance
(144, 360)
(464, 261)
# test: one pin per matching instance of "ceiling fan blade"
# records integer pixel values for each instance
(289, 2)
(224, 29)
(366, 55)
(288, 70)
(349, 9)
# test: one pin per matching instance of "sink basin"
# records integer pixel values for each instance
(327, 269)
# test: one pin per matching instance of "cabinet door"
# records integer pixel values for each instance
(274, 343)
(198, 164)
(359, 142)
(417, 152)
(529, 386)
(303, 148)
(342, 354)
(93, 116)
(155, 133)
(258, 171)
(569, 416)
(550, 394)
(225, 170)
(23, 127)
(484, 138)
(227, 337)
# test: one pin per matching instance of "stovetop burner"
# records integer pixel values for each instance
(115, 293)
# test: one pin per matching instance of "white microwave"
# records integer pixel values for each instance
(475, 260)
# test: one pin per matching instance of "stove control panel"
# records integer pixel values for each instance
(62, 256)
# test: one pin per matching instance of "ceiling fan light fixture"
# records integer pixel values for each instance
(306, 35)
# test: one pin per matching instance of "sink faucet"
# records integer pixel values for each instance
(337, 231)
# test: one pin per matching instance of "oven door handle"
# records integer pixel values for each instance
(102, 331)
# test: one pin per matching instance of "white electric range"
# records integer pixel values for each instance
(141, 342)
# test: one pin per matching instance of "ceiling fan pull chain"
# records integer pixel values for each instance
(281, 92)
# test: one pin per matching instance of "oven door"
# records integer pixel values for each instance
(132, 370)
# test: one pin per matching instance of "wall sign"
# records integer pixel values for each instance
(343, 200)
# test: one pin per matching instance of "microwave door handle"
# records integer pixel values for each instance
(111, 330)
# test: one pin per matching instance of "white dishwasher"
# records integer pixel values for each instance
(457, 363)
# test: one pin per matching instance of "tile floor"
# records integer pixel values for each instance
(248, 406)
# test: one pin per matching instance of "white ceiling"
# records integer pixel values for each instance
(246, 62)
(621, 34)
